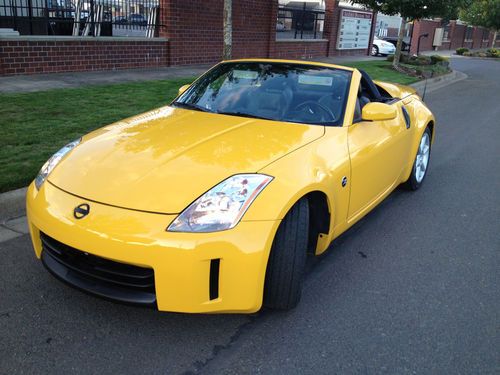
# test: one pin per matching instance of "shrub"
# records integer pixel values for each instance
(461, 50)
(437, 59)
(424, 60)
(467, 53)
(390, 58)
(493, 52)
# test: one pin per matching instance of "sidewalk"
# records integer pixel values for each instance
(41, 82)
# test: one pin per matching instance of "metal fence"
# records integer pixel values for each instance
(137, 18)
(300, 21)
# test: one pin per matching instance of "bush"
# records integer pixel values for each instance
(437, 59)
(493, 52)
(424, 60)
(461, 50)
(390, 58)
(467, 53)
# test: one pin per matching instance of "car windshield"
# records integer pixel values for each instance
(273, 91)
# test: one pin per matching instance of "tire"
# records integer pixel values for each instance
(286, 264)
(374, 50)
(417, 176)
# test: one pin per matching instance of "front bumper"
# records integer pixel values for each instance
(386, 50)
(182, 263)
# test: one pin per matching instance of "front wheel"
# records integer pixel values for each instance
(287, 261)
(421, 163)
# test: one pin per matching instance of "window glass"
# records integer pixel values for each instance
(300, 19)
(274, 91)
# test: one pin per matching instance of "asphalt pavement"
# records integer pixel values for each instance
(411, 289)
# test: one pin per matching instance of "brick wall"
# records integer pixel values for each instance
(422, 27)
(253, 27)
(28, 55)
(457, 35)
(300, 49)
(194, 29)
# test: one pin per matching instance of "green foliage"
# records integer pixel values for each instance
(484, 13)
(493, 52)
(416, 9)
(461, 50)
(436, 59)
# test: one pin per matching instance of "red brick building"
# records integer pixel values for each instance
(455, 35)
(191, 32)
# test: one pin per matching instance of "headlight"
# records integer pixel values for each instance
(52, 162)
(222, 206)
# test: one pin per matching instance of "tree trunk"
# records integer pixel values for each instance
(494, 44)
(397, 55)
(228, 29)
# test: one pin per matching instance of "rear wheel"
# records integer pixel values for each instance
(285, 268)
(421, 163)
(374, 50)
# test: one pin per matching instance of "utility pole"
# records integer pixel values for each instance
(228, 29)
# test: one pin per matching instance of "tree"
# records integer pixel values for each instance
(485, 13)
(411, 10)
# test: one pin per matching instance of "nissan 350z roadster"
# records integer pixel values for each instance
(212, 203)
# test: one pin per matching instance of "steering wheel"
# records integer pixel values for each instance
(315, 111)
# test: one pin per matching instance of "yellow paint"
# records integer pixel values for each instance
(138, 174)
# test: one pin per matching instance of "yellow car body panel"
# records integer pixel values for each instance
(354, 166)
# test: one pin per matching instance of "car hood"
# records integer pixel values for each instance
(162, 160)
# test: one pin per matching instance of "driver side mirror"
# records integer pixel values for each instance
(378, 112)
(183, 88)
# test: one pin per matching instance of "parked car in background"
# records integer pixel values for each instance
(120, 20)
(381, 47)
(394, 41)
(138, 20)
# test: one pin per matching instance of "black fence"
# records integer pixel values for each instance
(136, 18)
(300, 22)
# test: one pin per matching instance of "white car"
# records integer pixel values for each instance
(381, 47)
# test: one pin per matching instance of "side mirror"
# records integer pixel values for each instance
(378, 112)
(183, 88)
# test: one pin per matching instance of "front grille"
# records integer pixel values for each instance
(103, 277)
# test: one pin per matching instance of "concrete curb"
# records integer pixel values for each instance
(12, 203)
(437, 83)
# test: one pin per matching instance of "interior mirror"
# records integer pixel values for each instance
(183, 88)
(378, 112)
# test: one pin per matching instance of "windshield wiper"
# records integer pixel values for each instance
(191, 106)
(243, 114)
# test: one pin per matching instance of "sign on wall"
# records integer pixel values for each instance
(354, 30)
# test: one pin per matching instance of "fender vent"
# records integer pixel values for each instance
(406, 116)
(214, 279)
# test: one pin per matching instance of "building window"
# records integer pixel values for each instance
(300, 19)
(486, 35)
(468, 33)
(446, 33)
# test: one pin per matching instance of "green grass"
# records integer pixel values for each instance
(35, 125)
(382, 70)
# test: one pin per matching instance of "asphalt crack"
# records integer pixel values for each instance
(199, 366)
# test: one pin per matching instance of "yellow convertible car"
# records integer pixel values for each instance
(212, 203)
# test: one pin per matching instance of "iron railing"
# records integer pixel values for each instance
(138, 18)
(300, 22)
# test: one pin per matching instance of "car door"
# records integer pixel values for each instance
(379, 153)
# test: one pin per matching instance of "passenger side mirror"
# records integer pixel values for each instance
(183, 88)
(378, 112)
